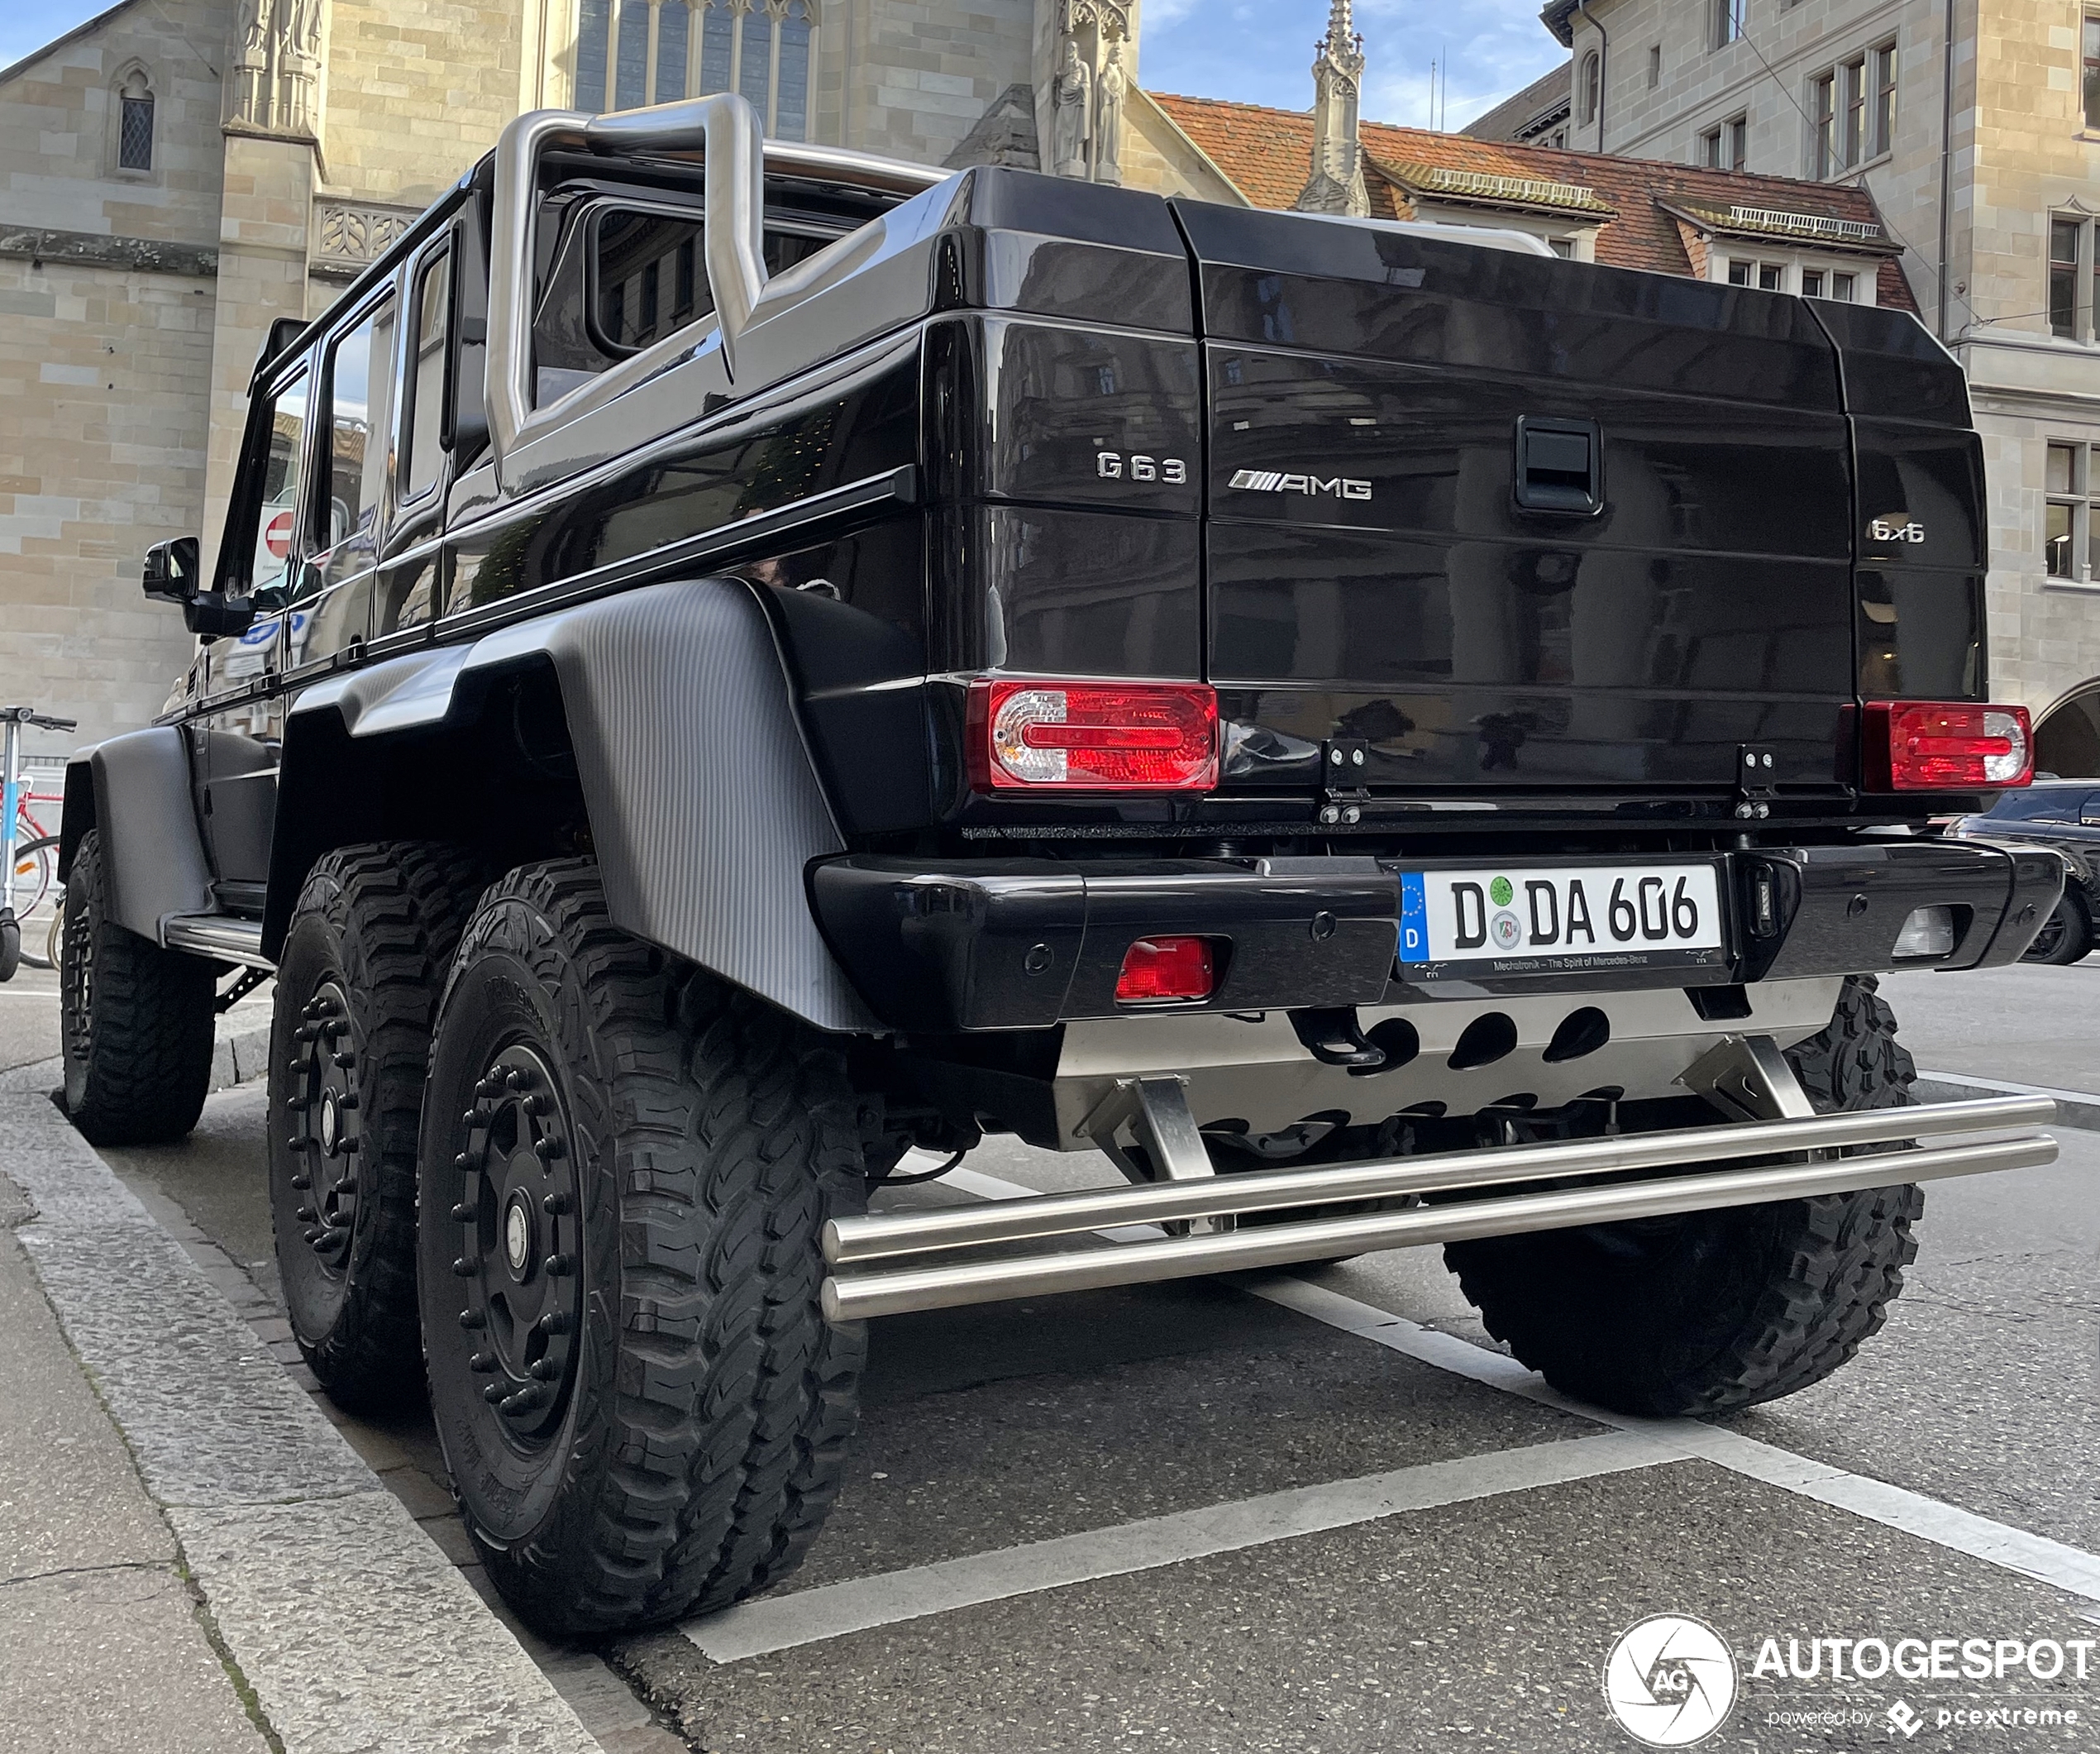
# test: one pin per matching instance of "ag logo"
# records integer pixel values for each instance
(1897, 527)
(1670, 1681)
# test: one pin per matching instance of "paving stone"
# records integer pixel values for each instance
(411, 1666)
(114, 1662)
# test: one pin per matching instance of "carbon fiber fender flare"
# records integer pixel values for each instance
(705, 809)
(136, 788)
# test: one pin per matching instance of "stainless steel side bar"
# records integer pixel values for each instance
(885, 1237)
(216, 936)
(853, 1297)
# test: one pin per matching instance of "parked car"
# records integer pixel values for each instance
(2065, 814)
(1389, 736)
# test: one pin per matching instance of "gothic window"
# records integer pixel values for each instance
(135, 123)
(633, 52)
(1591, 87)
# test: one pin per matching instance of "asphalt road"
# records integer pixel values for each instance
(1092, 1521)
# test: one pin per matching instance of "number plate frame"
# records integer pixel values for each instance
(1612, 963)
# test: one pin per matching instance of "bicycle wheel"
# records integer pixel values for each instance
(39, 897)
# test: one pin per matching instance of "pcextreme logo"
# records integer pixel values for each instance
(1275, 481)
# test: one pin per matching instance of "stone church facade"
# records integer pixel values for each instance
(175, 174)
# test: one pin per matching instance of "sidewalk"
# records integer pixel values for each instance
(106, 1648)
(191, 1556)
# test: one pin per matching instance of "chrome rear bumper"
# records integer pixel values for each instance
(948, 1261)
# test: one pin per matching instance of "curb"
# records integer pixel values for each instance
(354, 1629)
(2077, 1108)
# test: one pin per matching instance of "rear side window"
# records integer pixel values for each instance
(423, 419)
(649, 278)
(360, 380)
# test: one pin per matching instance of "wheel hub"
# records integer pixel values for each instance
(520, 1242)
(326, 1140)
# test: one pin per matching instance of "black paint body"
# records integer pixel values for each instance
(1549, 543)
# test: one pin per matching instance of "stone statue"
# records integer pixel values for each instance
(249, 88)
(1070, 117)
(1107, 119)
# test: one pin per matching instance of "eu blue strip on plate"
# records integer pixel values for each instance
(1414, 919)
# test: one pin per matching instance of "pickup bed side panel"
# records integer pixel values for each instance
(139, 794)
(705, 809)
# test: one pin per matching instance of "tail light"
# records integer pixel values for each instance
(1941, 746)
(1155, 970)
(1093, 736)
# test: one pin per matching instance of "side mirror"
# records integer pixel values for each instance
(216, 614)
(171, 570)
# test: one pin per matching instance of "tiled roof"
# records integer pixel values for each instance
(1268, 153)
(1508, 119)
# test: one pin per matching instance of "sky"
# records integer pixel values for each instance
(1255, 51)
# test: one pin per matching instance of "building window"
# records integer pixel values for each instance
(1591, 88)
(634, 52)
(2070, 537)
(2093, 71)
(1563, 247)
(135, 124)
(1842, 287)
(1728, 22)
(1766, 276)
(1812, 282)
(1656, 65)
(1851, 109)
(1726, 147)
(2073, 278)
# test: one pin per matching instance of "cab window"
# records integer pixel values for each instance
(613, 278)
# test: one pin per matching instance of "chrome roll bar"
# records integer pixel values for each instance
(724, 129)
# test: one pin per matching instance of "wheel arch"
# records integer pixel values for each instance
(656, 726)
(136, 789)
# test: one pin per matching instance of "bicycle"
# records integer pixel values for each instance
(32, 910)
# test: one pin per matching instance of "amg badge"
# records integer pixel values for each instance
(1274, 481)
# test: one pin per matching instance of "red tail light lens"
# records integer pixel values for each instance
(1093, 736)
(1939, 746)
(1157, 970)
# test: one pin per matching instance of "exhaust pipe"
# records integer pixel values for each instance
(853, 1243)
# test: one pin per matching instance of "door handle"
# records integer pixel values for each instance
(1559, 466)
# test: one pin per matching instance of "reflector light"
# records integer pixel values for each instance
(1942, 746)
(1159, 970)
(1093, 736)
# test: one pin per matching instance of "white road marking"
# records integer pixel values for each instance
(781, 1622)
(2036, 1557)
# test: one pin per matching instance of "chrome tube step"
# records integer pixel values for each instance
(857, 1247)
(221, 936)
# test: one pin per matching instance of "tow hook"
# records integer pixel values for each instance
(1333, 1037)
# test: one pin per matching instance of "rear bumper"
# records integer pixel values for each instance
(1026, 944)
(891, 1263)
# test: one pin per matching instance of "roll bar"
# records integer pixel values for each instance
(725, 130)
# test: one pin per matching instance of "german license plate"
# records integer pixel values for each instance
(1559, 919)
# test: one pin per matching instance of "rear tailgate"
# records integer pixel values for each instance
(1370, 573)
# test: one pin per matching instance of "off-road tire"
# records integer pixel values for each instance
(135, 1021)
(1717, 1310)
(675, 1444)
(2065, 937)
(358, 981)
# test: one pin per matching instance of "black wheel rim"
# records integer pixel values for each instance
(2049, 940)
(326, 1137)
(520, 1242)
